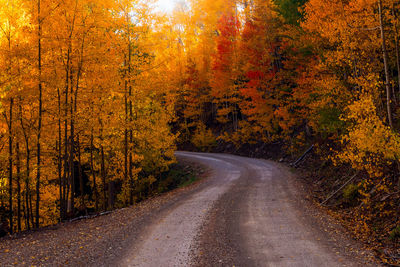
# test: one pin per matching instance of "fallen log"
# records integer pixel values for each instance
(302, 156)
(340, 188)
(90, 216)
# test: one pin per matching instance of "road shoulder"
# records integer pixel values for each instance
(99, 241)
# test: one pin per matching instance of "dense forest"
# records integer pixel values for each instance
(97, 95)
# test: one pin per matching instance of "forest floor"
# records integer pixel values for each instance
(371, 224)
(247, 212)
(91, 242)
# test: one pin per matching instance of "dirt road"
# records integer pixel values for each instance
(249, 212)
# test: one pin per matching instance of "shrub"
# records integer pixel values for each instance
(203, 138)
(350, 193)
(395, 234)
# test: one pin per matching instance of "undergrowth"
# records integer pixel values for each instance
(179, 175)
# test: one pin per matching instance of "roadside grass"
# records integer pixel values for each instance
(180, 175)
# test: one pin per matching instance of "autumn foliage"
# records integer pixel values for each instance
(85, 110)
(299, 73)
(95, 95)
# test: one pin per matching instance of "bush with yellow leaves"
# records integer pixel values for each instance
(369, 144)
(203, 138)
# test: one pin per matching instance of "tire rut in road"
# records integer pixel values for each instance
(220, 242)
(264, 220)
(168, 241)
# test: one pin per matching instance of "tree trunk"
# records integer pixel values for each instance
(40, 114)
(130, 160)
(31, 209)
(111, 194)
(81, 185)
(103, 174)
(25, 210)
(96, 196)
(10, 166)
(103, 166)
(396, 41)
(385, 62)
(72, 146)
(28, 191)
(126, 130)
(18, 189)
(66, 175)
(27, 176)
(59, 160)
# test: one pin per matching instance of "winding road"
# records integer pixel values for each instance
(249, 212)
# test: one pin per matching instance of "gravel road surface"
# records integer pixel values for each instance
(250, 212)
(244, 212)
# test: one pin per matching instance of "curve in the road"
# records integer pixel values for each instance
(250, 207)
